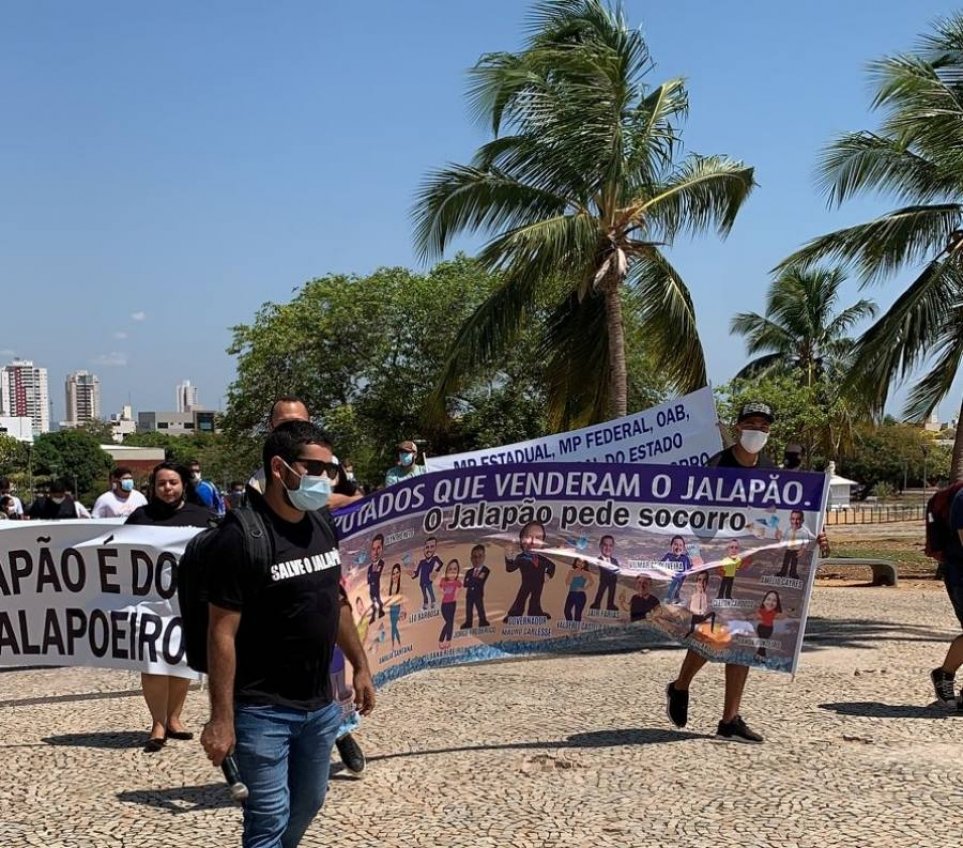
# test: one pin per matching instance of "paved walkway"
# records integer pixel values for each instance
(560, 752)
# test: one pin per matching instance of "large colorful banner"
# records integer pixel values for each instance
(91, 593)
(681, 432)
(483, 562)
(467, 564)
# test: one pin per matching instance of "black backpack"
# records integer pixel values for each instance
(193, 578)
(939, 532)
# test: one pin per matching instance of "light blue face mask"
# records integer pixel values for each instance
(406, 459)
(311, 494)
(127, 485)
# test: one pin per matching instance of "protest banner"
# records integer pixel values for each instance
(467, 564)
(91, 593)
(482, 562)
(681, 432)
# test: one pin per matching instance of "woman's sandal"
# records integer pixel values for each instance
(178, 734)
(154, 744)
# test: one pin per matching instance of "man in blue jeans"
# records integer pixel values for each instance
(272, 633)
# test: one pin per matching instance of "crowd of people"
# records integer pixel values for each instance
(278, 646)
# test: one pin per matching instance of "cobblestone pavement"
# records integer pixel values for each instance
(572, 751)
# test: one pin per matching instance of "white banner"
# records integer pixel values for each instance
(91, 593)
(681, 432)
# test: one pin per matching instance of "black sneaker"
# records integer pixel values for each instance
(943, 687)
(677, 705)
(736, 731)
(351, 754)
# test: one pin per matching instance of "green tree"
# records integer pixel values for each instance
(801, 332)
(914, 157)
(365, 352)
(75, 457)
(896, 454)
(13, 455)
(100, 430)
(581, 188)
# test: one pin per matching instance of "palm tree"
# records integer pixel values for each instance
(800, 332)
(917, 158)
(581, 188)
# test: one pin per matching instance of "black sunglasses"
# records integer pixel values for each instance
(319, 468)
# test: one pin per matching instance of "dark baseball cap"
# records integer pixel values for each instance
(756, 408)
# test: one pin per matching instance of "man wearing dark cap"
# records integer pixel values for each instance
(752, 433)
(406, 467)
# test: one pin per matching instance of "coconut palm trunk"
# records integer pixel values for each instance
(618, 375)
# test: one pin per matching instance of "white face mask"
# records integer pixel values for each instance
(753, 441)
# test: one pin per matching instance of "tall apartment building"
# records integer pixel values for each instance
(187, 397)
(23, 392)
(83, 398)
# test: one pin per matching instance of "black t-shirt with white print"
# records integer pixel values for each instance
(289, 612)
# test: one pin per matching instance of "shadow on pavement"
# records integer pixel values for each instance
(875, 709)
(864, 633)
(114, 740)
(181, 799)
(593, 739)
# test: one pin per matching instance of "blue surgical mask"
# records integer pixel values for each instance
(127, 485)
(311, 494)
(406, 458)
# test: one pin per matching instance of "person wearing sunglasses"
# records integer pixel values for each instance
(273, 629)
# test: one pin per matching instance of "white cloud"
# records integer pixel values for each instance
(7, 352)
(138, 316)
(111, 360)
(120, 334)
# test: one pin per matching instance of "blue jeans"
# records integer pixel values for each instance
(283, 756)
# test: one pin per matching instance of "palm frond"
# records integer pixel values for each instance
(575, 349)
(486, 333)
(762, 366)
(865, 161)
(881, 246)
(704, 192)
(896, 344)
(668, 318)
(465, 199)
(938, 381)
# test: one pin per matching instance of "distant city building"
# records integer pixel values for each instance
(20, 428)
(123, 424)
(82, 393)
(23, 393)
(932, 424)
(177, 423)
(187, 397)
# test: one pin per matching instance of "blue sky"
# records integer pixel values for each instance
(166, 168)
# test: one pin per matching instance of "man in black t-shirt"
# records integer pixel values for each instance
(272, 633)
(752, 433)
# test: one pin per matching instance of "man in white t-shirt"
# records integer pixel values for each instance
(122, 499)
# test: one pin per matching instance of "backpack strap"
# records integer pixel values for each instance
(257, 539)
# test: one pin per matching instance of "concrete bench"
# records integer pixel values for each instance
(884, 570)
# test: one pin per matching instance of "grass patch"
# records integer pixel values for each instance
(910, 560)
